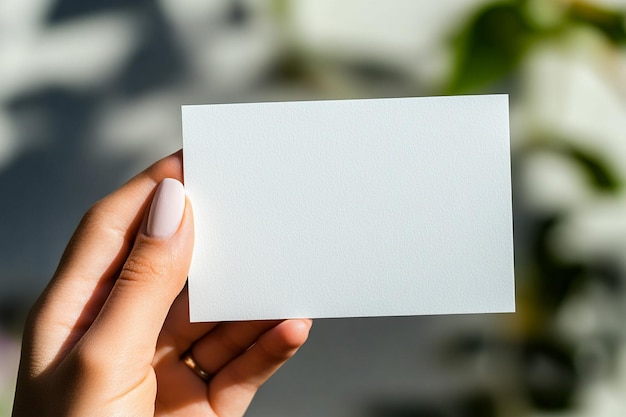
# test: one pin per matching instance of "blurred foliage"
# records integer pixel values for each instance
(489, 50)
(495, 40)
(609, 22)
(472, 404)
(490, 47)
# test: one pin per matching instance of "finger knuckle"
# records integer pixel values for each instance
(244, 382)
(95, 216)
(276, 354)
(91, 362)
(140, 268)
(232, 344)
(101, 219)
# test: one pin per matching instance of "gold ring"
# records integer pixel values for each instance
(191, 363)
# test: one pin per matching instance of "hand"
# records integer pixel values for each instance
(107, 335)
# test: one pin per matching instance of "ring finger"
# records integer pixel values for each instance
(227, 341)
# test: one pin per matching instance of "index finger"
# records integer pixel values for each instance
(91, 262)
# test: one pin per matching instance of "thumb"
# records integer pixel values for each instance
(153, 275)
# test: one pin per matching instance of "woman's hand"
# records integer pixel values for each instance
(109, 334)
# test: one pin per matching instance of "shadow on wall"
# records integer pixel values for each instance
(59, 172)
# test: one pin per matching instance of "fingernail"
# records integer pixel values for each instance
(166, 210)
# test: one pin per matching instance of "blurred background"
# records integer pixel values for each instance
(90, 94)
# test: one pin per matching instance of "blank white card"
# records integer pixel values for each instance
(384, 207)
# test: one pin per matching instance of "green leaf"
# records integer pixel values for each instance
(609, 22)
(597, 170)
(490, 47)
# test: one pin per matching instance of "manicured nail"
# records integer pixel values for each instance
(166, 210)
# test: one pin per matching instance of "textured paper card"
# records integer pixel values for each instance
(350, 208)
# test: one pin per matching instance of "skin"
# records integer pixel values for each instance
(106, 336)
